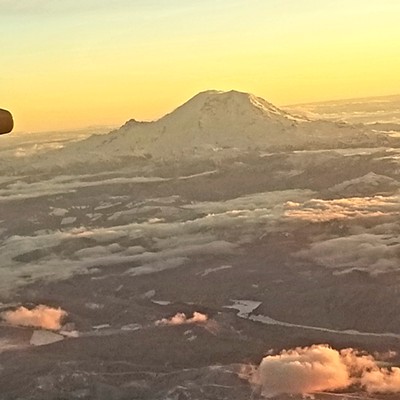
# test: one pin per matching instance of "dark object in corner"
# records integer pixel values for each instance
(6, 122)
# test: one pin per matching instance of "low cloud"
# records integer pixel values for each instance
(365, 185)
(374, 253)
(191, 230)
(39, 317)
(251, 202)
(21, 190)
(182, 319)
(319, 210)
(320, 368)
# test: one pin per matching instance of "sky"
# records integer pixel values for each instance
(67, 64)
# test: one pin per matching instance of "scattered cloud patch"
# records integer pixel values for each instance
(320, 368)
(42, 316)
(182, 319)
(318, 210)
(267, 200)
(374, 253)
(365, 185)
(157, 266)
(21, 190)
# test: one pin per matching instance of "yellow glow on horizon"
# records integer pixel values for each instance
(80, 74)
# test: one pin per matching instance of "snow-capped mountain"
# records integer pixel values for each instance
(211, 120)
(214, 124)
(215, 120)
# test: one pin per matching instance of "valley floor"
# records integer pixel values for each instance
(278, 250)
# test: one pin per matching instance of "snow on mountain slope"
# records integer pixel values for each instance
(211, 120)
(215, 122)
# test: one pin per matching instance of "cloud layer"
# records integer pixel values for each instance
(181, 232)
(319, 210)
(373, 253)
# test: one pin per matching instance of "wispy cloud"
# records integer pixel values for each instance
(366, 251)
(319, 210)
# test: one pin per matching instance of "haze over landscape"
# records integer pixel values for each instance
(170, 228)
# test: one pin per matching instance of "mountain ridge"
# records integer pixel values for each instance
(213, 125)
(213, 120)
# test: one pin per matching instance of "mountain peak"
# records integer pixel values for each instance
(211, 119)
(223, 93)
(214, 121)
(232, 104)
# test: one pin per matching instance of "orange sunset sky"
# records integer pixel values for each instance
(67, 64)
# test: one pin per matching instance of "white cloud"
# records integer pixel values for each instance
(157, 266)
(320, 368)
(182, 319)
(21, 190)
(373, 253)
(319, 210)
(263, 200)
(40, 317)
